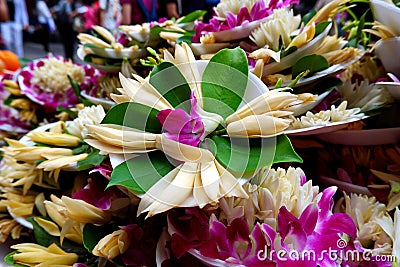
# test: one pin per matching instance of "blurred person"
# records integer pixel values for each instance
(179, 8)
(64, 12)
(4, 16)
(138, 11)
(91, 16)
(46, 23)
(110, 14)
(12, 29)
(8, 59)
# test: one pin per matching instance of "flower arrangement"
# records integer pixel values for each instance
(45, 81)
(168, 178)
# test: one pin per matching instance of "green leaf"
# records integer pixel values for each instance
(142, 172)
(307, 17)
(72, 114)
(77, 91)
(41, 236)
(321, 26)
(224, 81)
(169, 82)
(288, 51)
(185, 39)
(193, 16)
(92, 160)
(45, 239)
(285, 151)
(8, 259)
(92, 234)
(245, 156)
(134, 115)
(313, 63)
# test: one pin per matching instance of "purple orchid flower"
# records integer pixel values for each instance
(51, 100)
(182, 127)
(218, 244)
(258, 11)
(123, 39)
(143, 242)
(96, 194)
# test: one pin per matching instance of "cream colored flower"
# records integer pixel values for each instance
(57, 211)
(369, 216)
(263, 116)
(305, 36)
(119, 139)
(200, 180)
(140, 91)
(233, 6)
(276, 30)
(84, 212)
(52, 75)
(364, 95)
(17, 203)
(341, 113)
(35, 255)
(328, 11)
(265, 54)
(277, 188)
(87, 116)
(54, 139)
(7, 227)
(112, 245)
(16, 174)
(30, 154)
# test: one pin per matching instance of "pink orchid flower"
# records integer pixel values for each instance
(235, 245)
(182, 127)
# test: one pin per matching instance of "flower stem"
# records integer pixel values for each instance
(219, 132)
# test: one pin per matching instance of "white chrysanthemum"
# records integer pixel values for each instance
(310, 119)
(276, 30)
(371, 219)
(233, 6)
(88, 116)
(52, 76)
(322, 118)
(364, 95)
(278, 188)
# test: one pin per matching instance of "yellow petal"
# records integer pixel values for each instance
(84, 212)
(257, 126)
(48, 226)
(183, 152)
(123, 137)
(268, 101)
(210, 179)
(141, 91)
(304, 37)
(55, 139)
(61, 162)
(179, 190)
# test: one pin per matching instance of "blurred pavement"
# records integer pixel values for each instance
(34, 50)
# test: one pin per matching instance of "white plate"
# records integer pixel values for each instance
(291, 59)
(332, 70)
(392, 87)
(237, 32)
(321, 129)
(81, 55)
(125, 52)
(387, 14)
(107, 104)
(387, 52)
(370, 137)
(201, 49)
